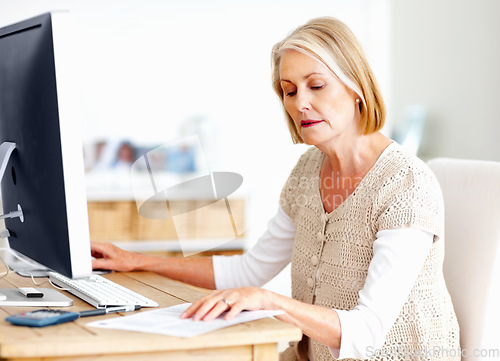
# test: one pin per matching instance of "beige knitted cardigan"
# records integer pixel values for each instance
(332, 252)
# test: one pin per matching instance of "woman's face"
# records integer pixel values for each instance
(321, 106)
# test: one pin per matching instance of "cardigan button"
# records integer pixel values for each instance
(324, 217)
(320, 236)
(310, 282)
(314, 260)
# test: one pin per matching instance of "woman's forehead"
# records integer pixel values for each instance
(295, 63)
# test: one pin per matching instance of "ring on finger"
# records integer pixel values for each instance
(228, 304)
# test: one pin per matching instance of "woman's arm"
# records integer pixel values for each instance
(268, 256)
(196, 271)
(271, 253)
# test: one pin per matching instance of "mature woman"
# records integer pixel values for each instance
(360, 220)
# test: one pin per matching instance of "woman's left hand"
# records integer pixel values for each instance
(232, 300)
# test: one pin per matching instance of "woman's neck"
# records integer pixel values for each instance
(354, 156)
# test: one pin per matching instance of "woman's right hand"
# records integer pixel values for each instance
(110, 257)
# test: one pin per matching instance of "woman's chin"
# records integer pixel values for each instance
(315, 140)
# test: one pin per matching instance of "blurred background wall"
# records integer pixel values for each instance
(445, 54)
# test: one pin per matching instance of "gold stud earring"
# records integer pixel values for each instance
(358, 100)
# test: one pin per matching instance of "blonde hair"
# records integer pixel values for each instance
(332, 42)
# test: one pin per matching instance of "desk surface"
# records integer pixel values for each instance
(255, 340)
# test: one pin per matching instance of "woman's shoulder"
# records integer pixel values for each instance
(403, 176)
(311, 154)
(307, 167)
(408, 194)
(307, 161)
(303, 179)
(398, 163)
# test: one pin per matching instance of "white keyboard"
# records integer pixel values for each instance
(101, 292)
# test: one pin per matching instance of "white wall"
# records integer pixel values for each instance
(446, 55)
(146, 67)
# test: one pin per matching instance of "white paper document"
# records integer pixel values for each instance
(167, 321)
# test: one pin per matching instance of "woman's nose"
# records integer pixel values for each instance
(303, 101)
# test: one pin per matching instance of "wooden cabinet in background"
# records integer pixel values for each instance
(120, 221)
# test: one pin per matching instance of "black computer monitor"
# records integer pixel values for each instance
(45, 174)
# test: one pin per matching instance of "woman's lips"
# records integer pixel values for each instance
(309, 123)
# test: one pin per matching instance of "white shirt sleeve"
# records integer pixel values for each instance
(271, 253)
(398, 257)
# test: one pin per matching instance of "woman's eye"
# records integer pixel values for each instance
(317, 87)
(290, 93)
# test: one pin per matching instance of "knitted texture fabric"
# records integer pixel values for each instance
(332, 252)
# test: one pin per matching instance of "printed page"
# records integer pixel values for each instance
(167, 321)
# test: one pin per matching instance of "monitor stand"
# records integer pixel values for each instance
(28, 268)
(12, 296)
(32, 273)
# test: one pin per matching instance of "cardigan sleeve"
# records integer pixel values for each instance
(271, 253)
(410, 198)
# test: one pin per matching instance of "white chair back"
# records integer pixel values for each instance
(471, 191)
